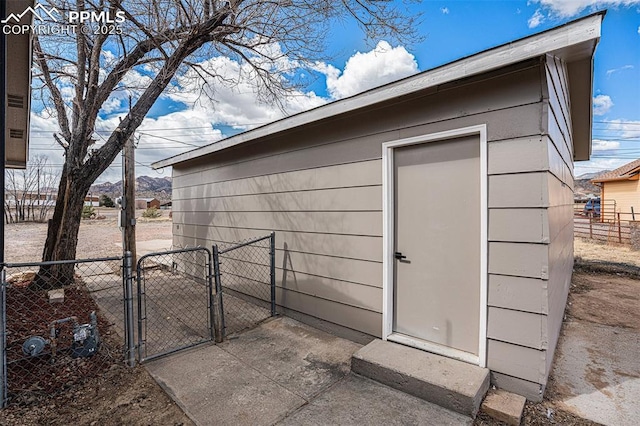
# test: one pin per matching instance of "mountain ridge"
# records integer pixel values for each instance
(146, 187)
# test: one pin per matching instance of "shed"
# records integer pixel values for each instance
(146, 203)
(436, 211)
(620, 192)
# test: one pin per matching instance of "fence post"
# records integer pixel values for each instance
(128, 297)
(619, 230)
(3, 338)
(212, 304)
(219, 309)
(590, 228)
(633, 214)
(272, 271)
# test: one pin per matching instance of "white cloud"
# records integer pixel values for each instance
(535, 20)
(622, 68)
(568, 8)
(444, 10)
(638, 29)
(624, 129)
(602, 104)
(600, 145)
(230, 99)
(364, 71)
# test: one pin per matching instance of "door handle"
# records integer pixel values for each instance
(399, 255)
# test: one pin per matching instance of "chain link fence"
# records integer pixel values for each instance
(65, 321)
(245, 280)
(62, 323)
(175, 301)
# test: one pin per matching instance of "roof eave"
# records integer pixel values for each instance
(573, 42)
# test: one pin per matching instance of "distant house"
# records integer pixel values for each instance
(146, 203)
(166, 205)
(92, 200)
(620, 191)
(45, 198)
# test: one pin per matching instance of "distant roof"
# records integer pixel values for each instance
(574, 42)
(147, 199)
(630, 171)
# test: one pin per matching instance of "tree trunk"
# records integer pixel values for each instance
(62, 232)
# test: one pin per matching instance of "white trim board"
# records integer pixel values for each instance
(388, 236)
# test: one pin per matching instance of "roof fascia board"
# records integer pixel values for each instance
(556, 41)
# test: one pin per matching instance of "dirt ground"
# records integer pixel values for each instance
(98, 237)
(132, 397)
(121, 395)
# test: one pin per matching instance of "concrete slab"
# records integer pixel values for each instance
(285, 372)
(444, 381)
(597, 373)
(298, 357)
(213, 387)
(504, 406)
(357, 400)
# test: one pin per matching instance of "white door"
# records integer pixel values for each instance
(437, 240)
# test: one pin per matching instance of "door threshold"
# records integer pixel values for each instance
(435, 348)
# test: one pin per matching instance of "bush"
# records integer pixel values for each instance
(152, 213)
(106, 201)
(88, 212)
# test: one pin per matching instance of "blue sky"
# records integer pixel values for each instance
(451, 30)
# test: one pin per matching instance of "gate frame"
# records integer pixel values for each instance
(140, 294)
(218, 282)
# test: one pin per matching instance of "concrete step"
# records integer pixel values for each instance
(449, 383)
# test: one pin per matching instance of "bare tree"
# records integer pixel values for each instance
(160, 40)
(29, 193)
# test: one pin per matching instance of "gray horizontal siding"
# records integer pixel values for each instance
(518, 293)
(346, 246)
(506, 225)
(519, 259)
(518, 155)
(348, 223)
(530, 390)
(517, 361)
(320, 190)
(348, 316)
(518, 327)
(356, 174)
(512, 95)
(368, 198)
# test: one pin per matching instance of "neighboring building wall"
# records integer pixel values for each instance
(626, 194)
(319, 188)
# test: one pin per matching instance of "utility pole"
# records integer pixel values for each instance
(129, 199)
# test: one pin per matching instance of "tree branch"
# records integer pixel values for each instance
(58, 102)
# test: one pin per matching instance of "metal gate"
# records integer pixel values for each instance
(245, 281)
(175, 301)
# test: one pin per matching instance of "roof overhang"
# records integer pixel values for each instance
(18, 91)
(632, 175)
(574, 42)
